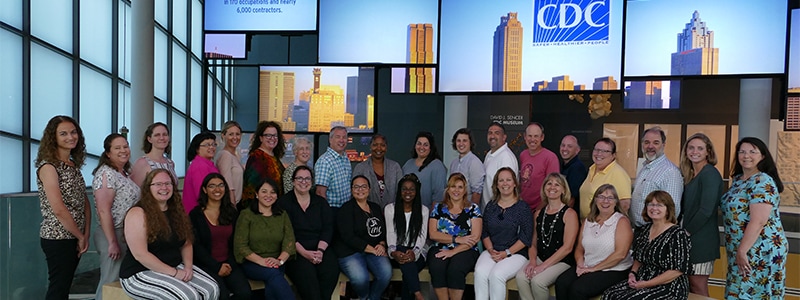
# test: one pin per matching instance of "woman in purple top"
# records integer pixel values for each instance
(201, 153)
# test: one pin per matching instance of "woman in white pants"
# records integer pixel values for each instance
(555, 230)
(506, 237)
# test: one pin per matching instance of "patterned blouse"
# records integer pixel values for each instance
(73, 192)
(455, 225)
(126, 192)
(261, 165)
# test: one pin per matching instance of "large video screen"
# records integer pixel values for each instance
(222, 46)
(689, 37)
(369, 31)
(794, 53)
(538, 45)
(260, 15)
(413, 80)
(314, 99)
(658, 94)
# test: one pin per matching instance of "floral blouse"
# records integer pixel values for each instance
(126, 192)
(455, 225)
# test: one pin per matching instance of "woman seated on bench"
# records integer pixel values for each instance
(406, 234)
(159, 264)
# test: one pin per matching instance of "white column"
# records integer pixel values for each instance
(455, 117)
(755, 99)
(142, 92)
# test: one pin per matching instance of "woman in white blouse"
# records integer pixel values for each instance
(229, 162)
(406, 233)
(602, 255)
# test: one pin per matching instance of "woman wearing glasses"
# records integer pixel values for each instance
(455, 228)
(755, 241)
(201, 153)
(213, 222)
(602, 255)
(507, 233)
(660, 255)
(605, 170)
(315, 271)
(555, 229)
(361, 246)
(263, 160)
(160, 263)
(301, 148)
(406, 234)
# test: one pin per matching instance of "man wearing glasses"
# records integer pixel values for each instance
(657, 173)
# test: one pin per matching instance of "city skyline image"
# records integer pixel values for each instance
(364, 31)
(654, 30)
(651, 94)
(794, 53)
(420, 51)
(314, 99)
(579, 40)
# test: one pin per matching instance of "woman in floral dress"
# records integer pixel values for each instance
(754, 238)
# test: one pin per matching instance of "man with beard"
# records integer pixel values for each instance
(657, 173)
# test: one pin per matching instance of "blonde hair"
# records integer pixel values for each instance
(562, 181)
(455, 177)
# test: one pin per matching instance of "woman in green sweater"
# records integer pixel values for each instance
(264, 240)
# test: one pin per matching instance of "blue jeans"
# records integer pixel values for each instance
(275, 285)
(359, 265)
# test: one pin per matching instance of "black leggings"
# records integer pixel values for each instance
(571, 287)
(314, 282)
(452, 272)
(62, 261)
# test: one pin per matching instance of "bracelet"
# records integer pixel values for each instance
(176, 272)
(634, 273)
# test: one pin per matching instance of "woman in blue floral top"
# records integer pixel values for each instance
(455, 227)
(754, 238)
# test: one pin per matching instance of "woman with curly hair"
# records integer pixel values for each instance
(213, 221)
(263, 161)
(156, 146)
(160, 262)
(114, 194)
(62, 199)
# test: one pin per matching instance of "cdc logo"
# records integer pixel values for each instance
(570, 22)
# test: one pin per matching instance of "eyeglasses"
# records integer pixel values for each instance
(604, 198)
(209, 145)
(361, 187)
(604, 151)
(656, 205)
(216, 186)
(303, 179)
(161, 184)
(270, 136)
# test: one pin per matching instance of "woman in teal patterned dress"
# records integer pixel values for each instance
(754, 238)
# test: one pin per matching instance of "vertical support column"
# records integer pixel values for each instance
(455, 117)
(755, 104)
(142, 87)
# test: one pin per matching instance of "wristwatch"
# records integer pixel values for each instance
(508, 252)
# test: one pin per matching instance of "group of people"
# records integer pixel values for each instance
(544, 219)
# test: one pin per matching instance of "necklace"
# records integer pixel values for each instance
(547, 237)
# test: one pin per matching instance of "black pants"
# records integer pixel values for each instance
(452, 272)
(236, 282)
(410, 275)
(571, 287)
(314, 282)
(62, 261)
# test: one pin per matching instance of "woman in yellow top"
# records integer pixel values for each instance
(605, 170)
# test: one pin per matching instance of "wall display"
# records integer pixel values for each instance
(794, 53)
(314, 99)
(688, 37)
(513, 111)
(222, 46)
(792, 113)
(364, 31)
(539, 45)
(789, 167)
(260, 15)
(413, 80)
(652, 94)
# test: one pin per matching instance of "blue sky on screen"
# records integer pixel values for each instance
(467, 39)
(794, 47)
(230, 44)
(750, 35)
(363, 31)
